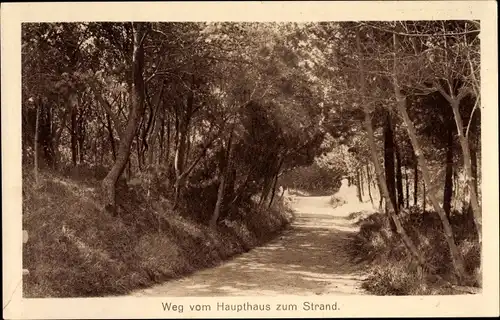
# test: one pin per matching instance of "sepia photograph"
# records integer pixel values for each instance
(212, 159)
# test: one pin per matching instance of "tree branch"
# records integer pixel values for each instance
(107, 107)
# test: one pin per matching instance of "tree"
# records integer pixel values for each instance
(136, 107)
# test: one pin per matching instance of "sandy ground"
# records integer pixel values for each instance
(310, 258)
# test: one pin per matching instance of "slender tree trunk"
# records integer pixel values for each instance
(58, 132)
(361, 181)
(181, 148)
(138, 151)
(180, 153)
(226, 163)
(45, 134)
(457, 258)
(399, 178)
(424, 197)
(470, 210)
(36, 144)
(111, 137)
(378, 168)
(448, 180)
(218, 204)
(188, 145)
(473, 152)
(369, 179)
(137, 105)
(74, 142)
(266, 188)
(101, 149)
(457, 187)
(407, 184)
(415, 180)
(381, 200)
(153, 136)
(129, 169)
(469, 177)
(81, 139)
(167, 146)
(275, 181)
(358, 186)
(389, 162)
(162, 142)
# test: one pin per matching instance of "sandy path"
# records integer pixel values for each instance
(309, 258)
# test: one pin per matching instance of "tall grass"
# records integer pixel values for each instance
(77, 250)
(392, 270)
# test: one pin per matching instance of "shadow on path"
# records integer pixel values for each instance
(309, 258)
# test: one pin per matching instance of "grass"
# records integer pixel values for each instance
(77, 250)
(393, 272)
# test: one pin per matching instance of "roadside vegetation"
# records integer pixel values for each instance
(151, 150)
(76, 251)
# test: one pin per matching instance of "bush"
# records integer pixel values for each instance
(394, 279)
(77, 250)
(393, 271)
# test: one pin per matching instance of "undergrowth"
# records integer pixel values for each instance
(393, 271)
(77, 250)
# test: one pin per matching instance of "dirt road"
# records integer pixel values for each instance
(310, 258)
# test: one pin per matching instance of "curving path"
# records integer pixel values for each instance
(309, 258)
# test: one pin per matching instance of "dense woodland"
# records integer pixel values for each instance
(211, 117)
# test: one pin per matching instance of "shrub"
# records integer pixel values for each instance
(77, 250)
(376, 244)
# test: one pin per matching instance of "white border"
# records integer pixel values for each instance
(485, 304)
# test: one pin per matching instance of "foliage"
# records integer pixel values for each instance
(393, 272)
(78, 252)
(201, 119)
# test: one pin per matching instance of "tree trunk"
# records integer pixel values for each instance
(415, 180)
(220, 192)
(74, 146)
(469, 177)
(167, 146)
(111, 137)
(45, 134)
(424, 197)
(58, 132)
(162, 142)
(473, 154)
(381, 199)
(448, 180)
(369, 179)
(180, 153)
(137, 105)
(378, 168)
(81, 152)
(37, 137)
(153, 136)
(399, 178)
(457, 259)
(218, 204)
(407, 184)
(456, 188)
(361, 181)
(138, 151)
(389, 161)
(179, 166)
(266, 188)
(358, 186)
(276, 181)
